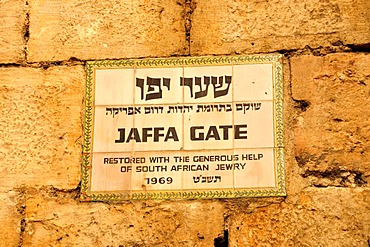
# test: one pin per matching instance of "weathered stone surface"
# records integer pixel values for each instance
(91, 29)
(40, 126)
(224, 27)
(332, 133)
(10, 220)
(12, 18)
(321, 217)
(64, 222)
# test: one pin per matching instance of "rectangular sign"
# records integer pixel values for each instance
(196, 127)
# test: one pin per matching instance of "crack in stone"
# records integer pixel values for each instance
(190, 7)
(26, 30)
(360, 47)
(21, 209)
(301, 104)
(337, 177)
(71, 62)
(46, 64)
(222, 240)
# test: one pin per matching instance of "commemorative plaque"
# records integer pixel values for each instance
(194, 127)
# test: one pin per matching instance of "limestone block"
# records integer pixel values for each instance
(224, 27)
(10, 220)
(12, 18)
(105, 29)
(65, 222)
(332, 133)
(322, 217)
(41, 126)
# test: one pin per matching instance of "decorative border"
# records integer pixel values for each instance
(274, 59)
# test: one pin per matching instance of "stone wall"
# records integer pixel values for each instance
(44, 46)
